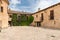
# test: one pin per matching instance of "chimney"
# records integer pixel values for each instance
(38, 9)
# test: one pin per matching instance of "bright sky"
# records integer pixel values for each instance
(30, 5)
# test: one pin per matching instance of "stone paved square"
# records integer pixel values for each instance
(29, 33)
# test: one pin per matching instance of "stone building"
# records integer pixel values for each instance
(3, 13)
(19, 13)
(48, 17)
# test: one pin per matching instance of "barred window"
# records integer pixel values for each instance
(36, 15)
(1, 9)
(52, 15)
(42, 18)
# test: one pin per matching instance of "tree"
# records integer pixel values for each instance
(23, 20)
(26, 20)
(14, 20)
(30, 19)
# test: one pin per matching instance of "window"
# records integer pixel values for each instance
(19, 18)
(1, 9)
(10, 16)
(42, 17)
(36, 15)
(51, 14)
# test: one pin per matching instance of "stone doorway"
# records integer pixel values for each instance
(38, 24)
(10, 23)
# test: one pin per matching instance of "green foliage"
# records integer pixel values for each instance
(26, 20)
(30, 19)
(22, 20)
(24, 24)
(14, 20)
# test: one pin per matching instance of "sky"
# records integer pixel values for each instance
(30, 5)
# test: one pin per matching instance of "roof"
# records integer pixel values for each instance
(47, 8)
(17, 12)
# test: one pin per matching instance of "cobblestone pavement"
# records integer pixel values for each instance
(29, 33)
